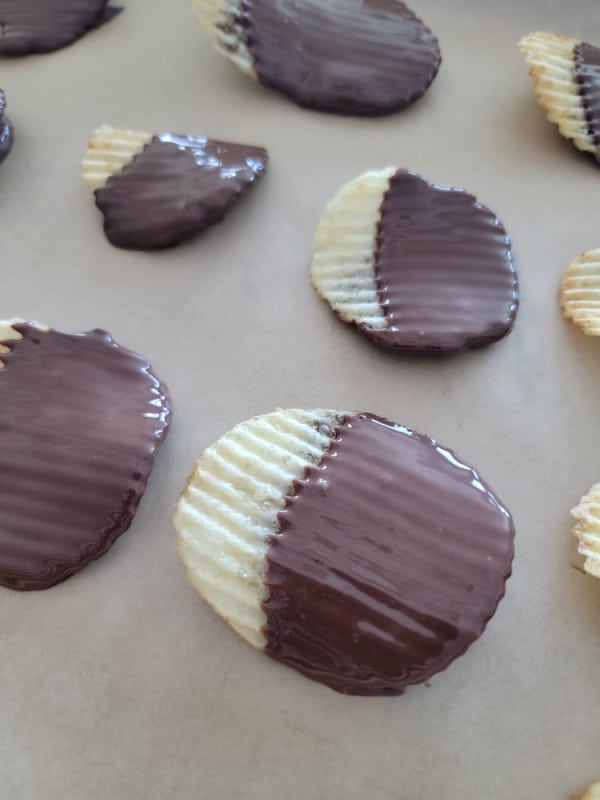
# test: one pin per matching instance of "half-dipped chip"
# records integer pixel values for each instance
(345, 56)
(156, 190)
(566, 76)
(361, 553)
(413, 265)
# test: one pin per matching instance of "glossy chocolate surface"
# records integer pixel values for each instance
(391, 558)
(6, 129)
(361, 57)
(443, 268)
(177, 186)
(40, 26)
(80, 421)
(587, 72)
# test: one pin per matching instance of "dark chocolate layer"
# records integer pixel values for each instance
(80, 421)
(39, 26)
(347, 56)
(443, 267)
(587, 72)
(391, 558)
(6, 129)
(177, 186)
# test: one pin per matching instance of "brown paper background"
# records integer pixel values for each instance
(121, 683)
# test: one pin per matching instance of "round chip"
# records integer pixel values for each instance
(415, 266)
(361, 553)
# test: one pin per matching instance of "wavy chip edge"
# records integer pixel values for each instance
(552, 67)
(109, 150)
(227, 513)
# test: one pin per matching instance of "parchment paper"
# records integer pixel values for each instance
(121, 683)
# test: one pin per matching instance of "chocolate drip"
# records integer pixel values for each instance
(587, 73)
(391, 558)
(443, 267)
(347, 56)
(177, 186)
(80, 421)
(6, 129)
(40, 26)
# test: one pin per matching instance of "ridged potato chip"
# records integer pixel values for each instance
(228, 509)
(414, 265)
(361, 553)
(552, 66)
(343, 268)
(587, 529)
(580, 292)
(108, 151)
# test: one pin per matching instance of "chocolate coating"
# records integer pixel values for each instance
(80, 421)
(362, 57)
(40, 26)
(177, 186)
(587, 72)
(391, 558)
(443, 268)
(6, 129)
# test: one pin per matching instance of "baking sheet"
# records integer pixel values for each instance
(121, 683)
